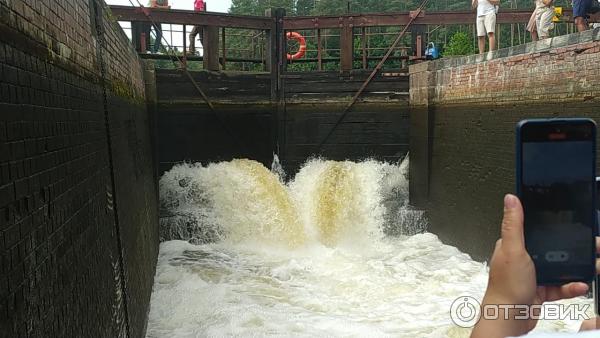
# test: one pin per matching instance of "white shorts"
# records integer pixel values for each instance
(544, 22)
(486, 24)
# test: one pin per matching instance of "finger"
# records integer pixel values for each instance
(566, 291)
(598, 245)
(598, 266)
(512, 224)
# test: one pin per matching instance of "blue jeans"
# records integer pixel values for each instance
(581, 8)
(158, 41)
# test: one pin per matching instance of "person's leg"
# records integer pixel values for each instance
(481, 44)
(158, 41)
(492, 38)
(531, 27)
(581, 24)
(580, 9)
(201, 35)
(193, 39)
(490, 28)
(481, 34)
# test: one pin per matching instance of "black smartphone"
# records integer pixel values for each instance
(556, 182)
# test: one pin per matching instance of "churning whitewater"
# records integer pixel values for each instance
(337, 251)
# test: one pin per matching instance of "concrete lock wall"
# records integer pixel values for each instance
(78, 204)
(463, 117)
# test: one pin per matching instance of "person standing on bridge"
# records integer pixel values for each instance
(486, 22)
(158, 27)
(199, 6)
(540, 22)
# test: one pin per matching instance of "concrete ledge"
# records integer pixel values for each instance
(541, 46)
(560, 70)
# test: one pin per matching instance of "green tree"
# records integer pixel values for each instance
(258, 7)
(460, 44)
(305, 7)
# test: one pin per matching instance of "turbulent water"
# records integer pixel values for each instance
(334, 252)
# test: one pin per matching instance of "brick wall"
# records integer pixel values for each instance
(463, 115)
(78, 219)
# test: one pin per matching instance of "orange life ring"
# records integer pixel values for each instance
(302, 50)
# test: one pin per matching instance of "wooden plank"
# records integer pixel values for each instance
(402, 18)
(183, 17)
(347, 88)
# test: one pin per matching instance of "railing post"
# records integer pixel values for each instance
(319, 51)
(185, 50)
(417, 33)
(346, 44)
(211, 48)
(276, 64)
(276, 50)
(224, 47)
(364, 48)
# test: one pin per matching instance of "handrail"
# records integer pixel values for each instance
(184, 17)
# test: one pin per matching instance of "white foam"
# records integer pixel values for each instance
(305, 259)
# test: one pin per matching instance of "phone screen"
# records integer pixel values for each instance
(557, 191)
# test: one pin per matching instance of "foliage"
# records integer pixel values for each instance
(460, 44)
(258, 7)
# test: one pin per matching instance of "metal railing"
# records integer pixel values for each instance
(343, 42)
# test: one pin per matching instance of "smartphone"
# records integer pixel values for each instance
(556, 182)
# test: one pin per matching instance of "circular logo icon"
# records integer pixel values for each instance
(465, 311)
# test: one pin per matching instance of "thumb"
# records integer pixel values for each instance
(512, 224)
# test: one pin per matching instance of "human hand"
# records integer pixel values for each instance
(512, 279)
(590, 324)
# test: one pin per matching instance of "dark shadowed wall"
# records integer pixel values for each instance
(78, 204)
